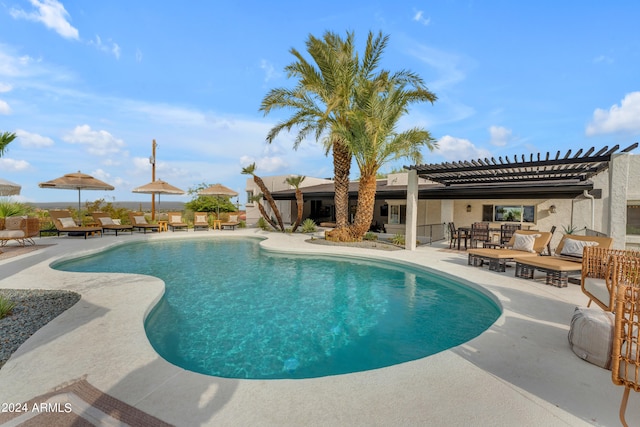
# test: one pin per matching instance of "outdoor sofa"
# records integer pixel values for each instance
(523, 243)
(64, 223)
(566, 260)
(18, 228)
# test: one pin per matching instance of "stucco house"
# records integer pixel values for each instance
(598, 191)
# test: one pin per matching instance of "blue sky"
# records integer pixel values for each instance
(88, 85)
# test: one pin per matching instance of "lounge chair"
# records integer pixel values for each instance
(64, 223)
(107, 223)
(566, 260)
(601, 275)
(625, 354)
(232, 222)
(140, 222)
(523, 244)
(18, 228)
(175, 221)
(200, 221)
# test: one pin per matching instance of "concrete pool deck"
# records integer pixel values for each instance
(520, 371)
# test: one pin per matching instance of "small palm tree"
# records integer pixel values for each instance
(250, 170)
(295, 182)
(5, 139)
(257, 198)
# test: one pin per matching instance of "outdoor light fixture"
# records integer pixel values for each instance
(552, 209)
(468, 208)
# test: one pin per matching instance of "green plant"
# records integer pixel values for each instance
(398, 239)
(370, 236)
(308, 226)
(6, 306)
(263, 224)
(569, 229)
(242, 224)
(11, 208)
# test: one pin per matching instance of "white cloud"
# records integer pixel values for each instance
(448, 66)
(4, 108)
(621, 118)
(110, 47)
(33, 140)
(52, 14)
(270, 72)
(603, 59)
(4, 87)
(500, 136)
(266, 164)
(452, 149)
(99, 142)
(419, 17)
(138, 55)
(13, 165)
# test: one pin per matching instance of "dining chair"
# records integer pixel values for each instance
(479, 233)
(506, 231)
(453, 234)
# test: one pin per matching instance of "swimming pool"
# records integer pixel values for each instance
(234, 310)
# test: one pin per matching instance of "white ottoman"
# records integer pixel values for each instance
(591, 335)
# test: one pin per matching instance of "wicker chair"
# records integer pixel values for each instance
(20, 229)
(625, 355)
(600, 274)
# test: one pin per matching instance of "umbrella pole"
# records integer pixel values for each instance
(79, 206)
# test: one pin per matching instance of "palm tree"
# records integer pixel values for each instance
(257, 198)
(295, 182)
(250, 170)
(5, 139)
(322, 99)
(373, 139)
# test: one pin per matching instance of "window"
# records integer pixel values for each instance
(249, 196)
(394, 214)
(633, 218)
(508, 213)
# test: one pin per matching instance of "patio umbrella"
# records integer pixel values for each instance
(218, 190)
(8, 188)
(158, 187)
(76, 181)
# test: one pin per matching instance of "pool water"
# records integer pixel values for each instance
(234, 310)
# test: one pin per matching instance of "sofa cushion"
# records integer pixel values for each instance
(591, 335)
(11, 234)
(524, 242)
(574, 248)
(597, 288)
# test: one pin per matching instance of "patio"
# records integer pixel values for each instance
(519, 372)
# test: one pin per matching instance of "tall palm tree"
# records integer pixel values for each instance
(323, 97)
(5, 139)
(295, 182)
(373, 139)
(250, 170)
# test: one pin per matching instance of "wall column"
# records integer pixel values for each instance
(618, 187)
(411, 233)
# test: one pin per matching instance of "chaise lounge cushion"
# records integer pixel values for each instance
(106, 221)
(140, 219)
(591, 335)
(67, 222)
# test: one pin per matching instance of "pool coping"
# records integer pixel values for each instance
(520, 371)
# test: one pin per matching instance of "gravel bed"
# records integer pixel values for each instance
(33, 309)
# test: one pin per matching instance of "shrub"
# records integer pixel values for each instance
(398, 239)
(370, 236)
(242, 224)
(308, 226)
(11, 208)
(263, 224)
(5, 306)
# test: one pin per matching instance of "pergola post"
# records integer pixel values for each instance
(411, 226)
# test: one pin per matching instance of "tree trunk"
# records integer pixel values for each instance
(366, 204)
(341, 166)
(266, 217)
(267, 195)
(300, 205)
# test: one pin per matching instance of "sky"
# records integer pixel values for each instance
(87, 86)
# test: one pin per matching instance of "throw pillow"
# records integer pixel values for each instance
(233, 218)
(13, 222)
(524, 242)
(140, 219)
(67, 222)
(574, 248)
(175, 219)
(116, 221)
(106, 221)
(201, 218)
